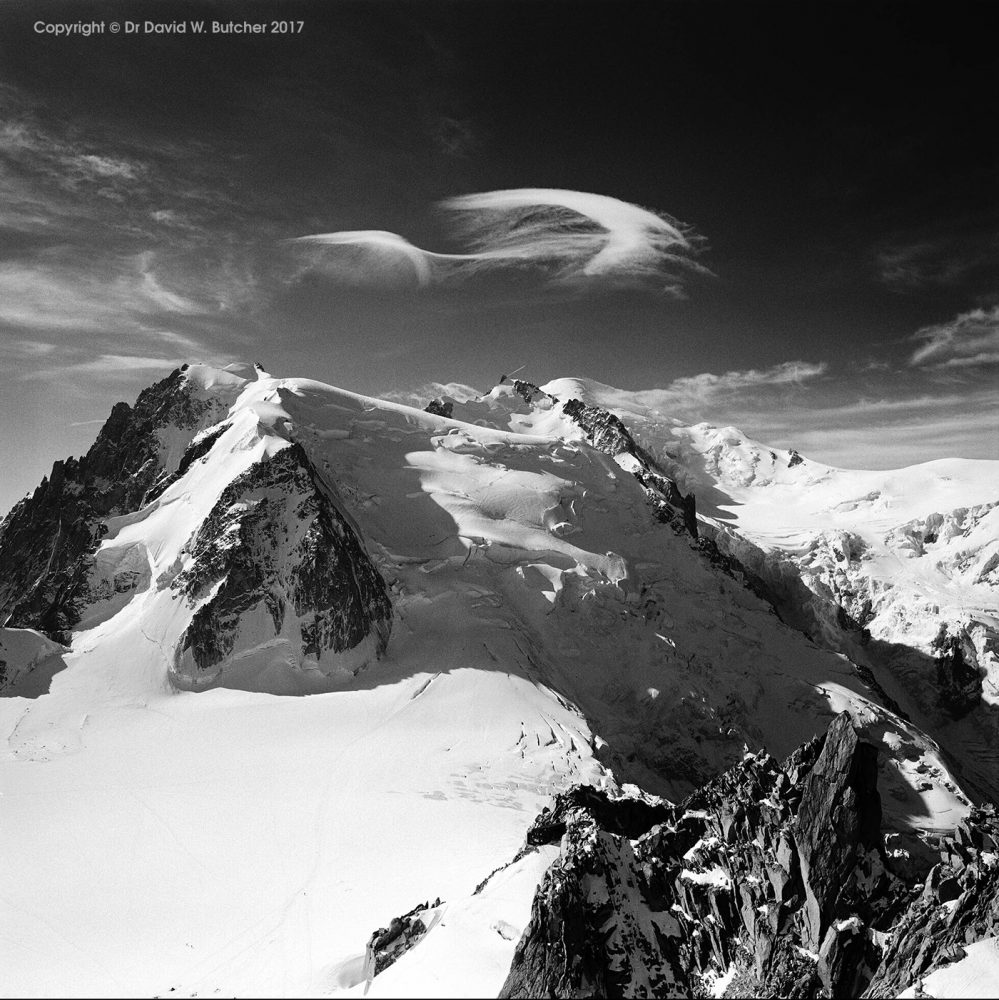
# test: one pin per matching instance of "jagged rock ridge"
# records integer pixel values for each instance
(47, 540)
(276, 565)
(277, 542)
(608, 433)
(775, 874)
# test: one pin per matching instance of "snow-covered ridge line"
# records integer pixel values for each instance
(896, 569)
(547, 630)
(48, 539)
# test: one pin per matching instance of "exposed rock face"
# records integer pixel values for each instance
(47, 540)
(625, 817)
(275, 575)
(958, 905)
(839, 814)
(440, 407)
(388, 944)
(199, 448)
(607, 433)
(277, 549)
(672, 507)
(958, 678)
(529, 392)
(773, 872)
(827, 591)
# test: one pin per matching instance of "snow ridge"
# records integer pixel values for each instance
(487, 603)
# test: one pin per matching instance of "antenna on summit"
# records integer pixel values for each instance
(503, 378)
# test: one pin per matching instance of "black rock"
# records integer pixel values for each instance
(771, 871)
(388, 944)
(48, 539)
(440, 407)
(277, 538)
(839, 817)
(959, 678)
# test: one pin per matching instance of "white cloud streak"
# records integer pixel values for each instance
(56, 296)
(110, 367)
(707, 386)
(574, 238)
(970, 340)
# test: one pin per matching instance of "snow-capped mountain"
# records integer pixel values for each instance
(896, 569)
(488, 602)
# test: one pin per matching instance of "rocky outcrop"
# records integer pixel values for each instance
(625, 817)
(440, 407)
(959, 904)
(198, 449)
(277, 559)
(47, 541)
(388, 944)
(529, 392)
(773, 873)
(671, 506)
(606, 432)
(839, 815)
(959, 680)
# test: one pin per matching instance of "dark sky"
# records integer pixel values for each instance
(837, 159)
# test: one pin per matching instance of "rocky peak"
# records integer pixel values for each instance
(839, 816)
(606, 432)
(959, 678)
(277, 566)
(46, 540)
(529, 392)
(772, 874)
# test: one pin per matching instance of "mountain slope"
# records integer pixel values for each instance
(897, 569)
(485, 608)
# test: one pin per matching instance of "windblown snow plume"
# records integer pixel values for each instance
(572, 237)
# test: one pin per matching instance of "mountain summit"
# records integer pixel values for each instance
(545, 591)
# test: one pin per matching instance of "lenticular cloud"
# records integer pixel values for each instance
(571, 237)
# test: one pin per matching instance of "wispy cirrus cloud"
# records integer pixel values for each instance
(110, 257)
(970, 340)
(725, 396)
(905, 267)
(571, 238)
(709, 387)
(938, 256)
(63, 296)
(109, 215)
(111, 367)
(43, 173)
